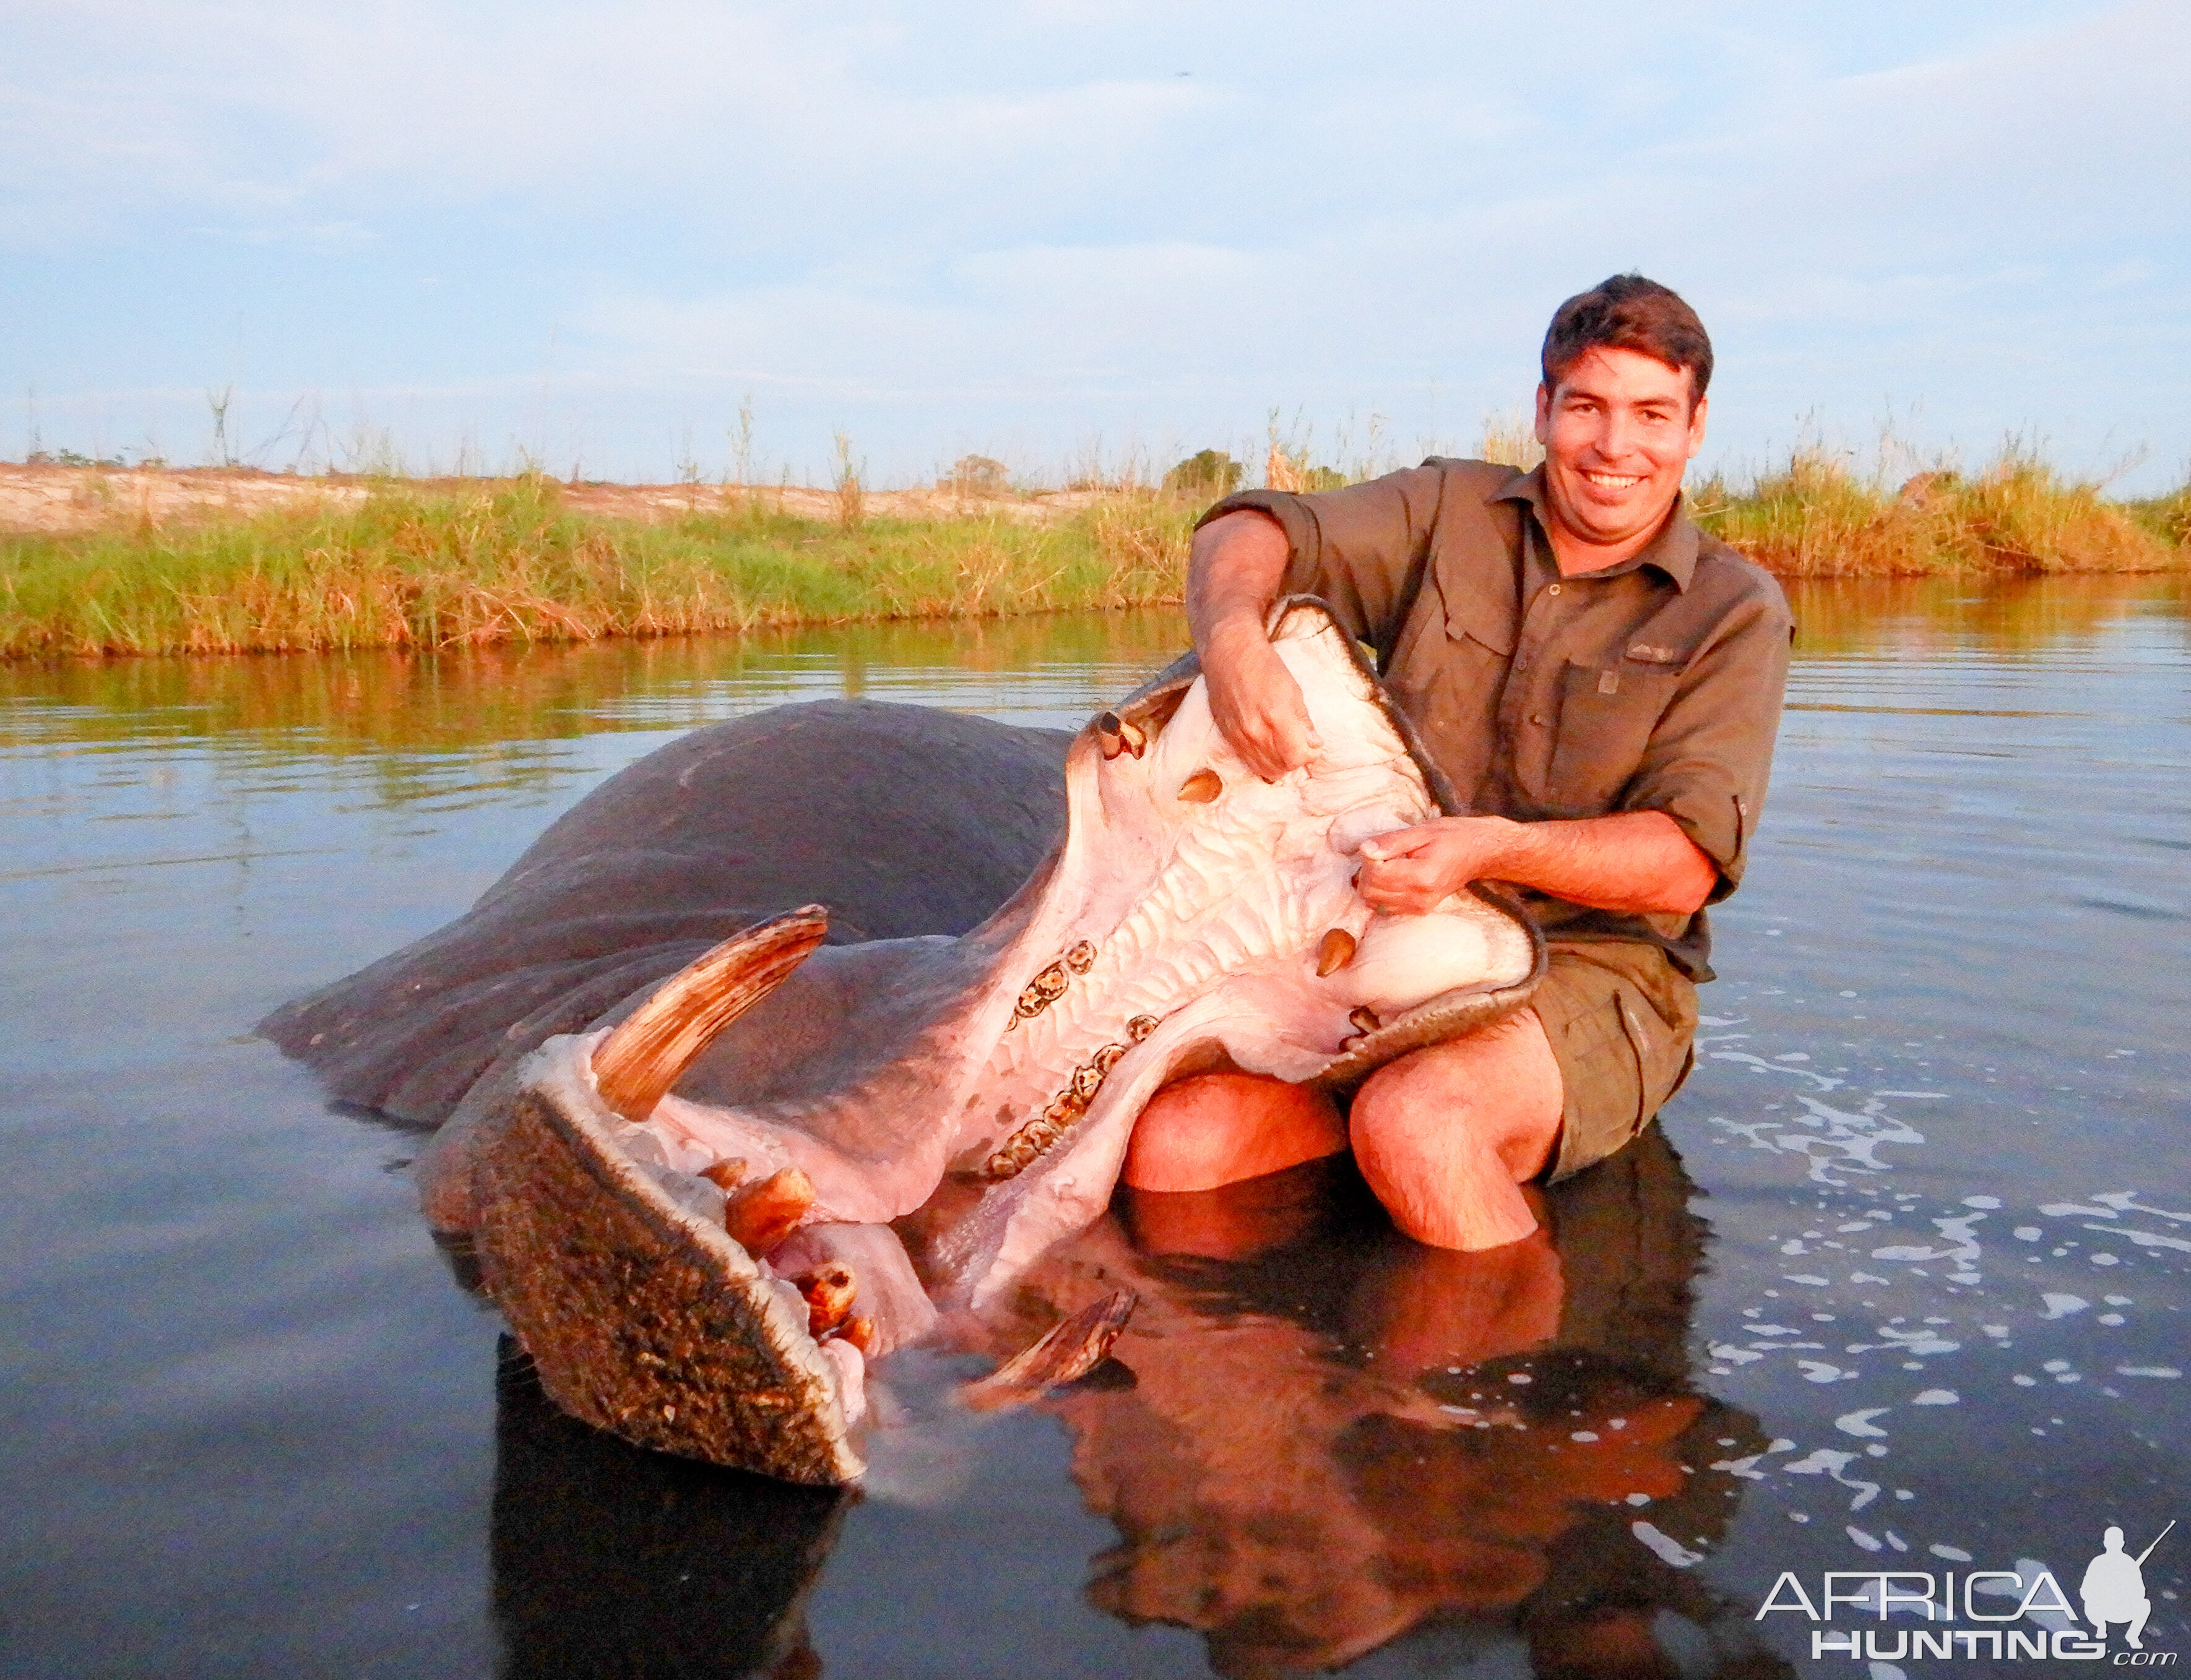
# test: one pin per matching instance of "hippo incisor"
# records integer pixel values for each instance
(704, 1203)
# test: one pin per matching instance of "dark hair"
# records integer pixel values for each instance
(1628, 313)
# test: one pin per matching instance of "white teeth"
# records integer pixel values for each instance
(1611, 481)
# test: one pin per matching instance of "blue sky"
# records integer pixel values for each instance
(585, 234)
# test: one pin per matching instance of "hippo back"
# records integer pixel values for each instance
(902, 819)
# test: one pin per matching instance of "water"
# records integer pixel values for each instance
(1925, 1311)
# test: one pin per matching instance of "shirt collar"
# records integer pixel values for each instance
(1673, 550)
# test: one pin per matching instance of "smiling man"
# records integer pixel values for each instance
(1601, 683)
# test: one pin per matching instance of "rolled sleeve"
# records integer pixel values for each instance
(1362, 550)
(1711, 756)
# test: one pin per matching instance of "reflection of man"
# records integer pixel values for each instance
(1333, 1437)
(1599, 682)
(2115, 1590)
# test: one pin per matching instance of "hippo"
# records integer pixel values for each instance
(709, 1180)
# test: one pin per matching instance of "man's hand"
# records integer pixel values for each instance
(1253, 700)
(1414, 870)
(1639, 861)
(1256, 704)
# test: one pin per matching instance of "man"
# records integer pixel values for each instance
(1601, 683)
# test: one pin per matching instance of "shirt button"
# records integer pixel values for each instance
(1554, 590)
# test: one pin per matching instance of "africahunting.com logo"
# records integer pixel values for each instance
(2112, 1592)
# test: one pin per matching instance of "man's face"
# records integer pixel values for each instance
(1617, 433)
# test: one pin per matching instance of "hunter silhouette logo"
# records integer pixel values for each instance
(2113, 1588)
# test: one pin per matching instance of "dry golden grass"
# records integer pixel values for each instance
(1816, 517)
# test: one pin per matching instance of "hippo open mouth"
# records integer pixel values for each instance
(704, 1212)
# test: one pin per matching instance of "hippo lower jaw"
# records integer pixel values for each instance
(1194, 916)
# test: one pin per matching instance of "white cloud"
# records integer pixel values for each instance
(1027, 206)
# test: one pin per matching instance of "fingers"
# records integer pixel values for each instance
(1399, 843)
(1260, 710)
(1407, 886)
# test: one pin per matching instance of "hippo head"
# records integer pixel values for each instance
(707, 1209)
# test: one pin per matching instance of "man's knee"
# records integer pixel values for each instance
(1499, 1087)
(1218, 1128)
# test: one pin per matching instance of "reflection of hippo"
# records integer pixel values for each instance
(701, 1226)
(1295, 1469)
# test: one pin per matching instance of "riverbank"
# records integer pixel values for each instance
(399, 564)
(100, 562)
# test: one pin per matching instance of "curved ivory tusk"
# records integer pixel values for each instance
(635, 1066)
(1068, 1353)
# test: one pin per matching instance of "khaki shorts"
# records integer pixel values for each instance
(1622, 1021)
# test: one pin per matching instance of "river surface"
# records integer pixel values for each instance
(1904, 1286)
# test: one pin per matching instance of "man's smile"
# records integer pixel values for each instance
(1614, 481)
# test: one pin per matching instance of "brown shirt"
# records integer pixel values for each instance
(1653, 685)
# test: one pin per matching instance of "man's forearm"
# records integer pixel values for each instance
(1232, 575)
(1639, 861)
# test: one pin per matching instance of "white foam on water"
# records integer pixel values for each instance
(1938, 1397)
(1665, 1546)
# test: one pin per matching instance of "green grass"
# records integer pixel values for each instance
(418, 566)
(474, 563)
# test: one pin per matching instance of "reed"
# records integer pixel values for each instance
(434, 567)
(442, 563)
(1819, 516)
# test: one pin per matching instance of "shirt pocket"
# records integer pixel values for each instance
(1607, 714)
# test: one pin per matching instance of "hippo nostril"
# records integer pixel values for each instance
(1200, 788)
(1333, 952)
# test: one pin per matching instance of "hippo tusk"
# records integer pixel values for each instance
(637, 1062)
(1068, 1353)
(760, 1217)
(828, 1293)
(1115, 734)
(1200, 788)
(1334, 953)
